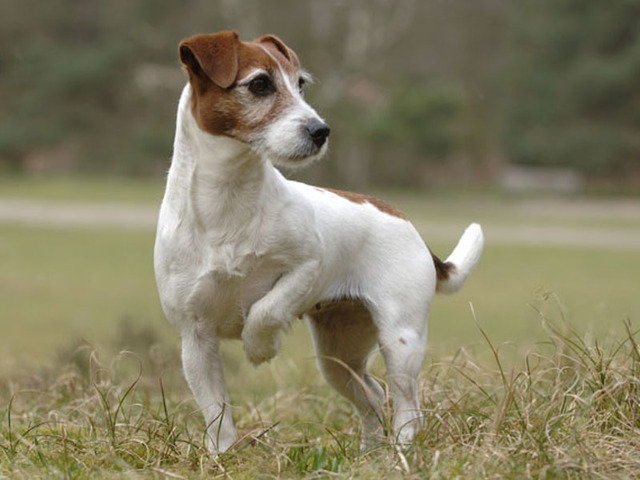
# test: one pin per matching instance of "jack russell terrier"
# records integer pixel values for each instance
(241, 251)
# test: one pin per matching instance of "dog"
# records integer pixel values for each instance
(241, 251)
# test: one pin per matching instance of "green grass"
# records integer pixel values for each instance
(72, 283)
(61, 284)
(556, 405)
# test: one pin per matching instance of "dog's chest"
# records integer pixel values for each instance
(218, 285)
(227, 298)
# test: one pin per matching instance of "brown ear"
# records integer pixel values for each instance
(282, 48)
(214, 56)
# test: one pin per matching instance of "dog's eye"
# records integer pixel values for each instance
(262, 86)
(301, 83)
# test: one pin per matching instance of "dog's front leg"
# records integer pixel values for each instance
(203, 370)
(276, 310)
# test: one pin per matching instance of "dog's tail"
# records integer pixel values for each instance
(456, 268)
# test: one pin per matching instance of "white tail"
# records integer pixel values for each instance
(457, 267)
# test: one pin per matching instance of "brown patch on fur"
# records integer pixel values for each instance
(402, 341)
(341, 303)
(271, 41)
(212, 56)
(376, 202)
(345, 331)
(216, 62)
(443, 269)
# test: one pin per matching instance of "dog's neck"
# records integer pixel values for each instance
(219, 179)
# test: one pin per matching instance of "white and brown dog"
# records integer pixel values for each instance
(241, 251)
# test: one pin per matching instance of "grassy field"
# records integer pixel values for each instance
(80, 320)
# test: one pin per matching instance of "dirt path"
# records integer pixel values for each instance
(40, 213)
(135, 217)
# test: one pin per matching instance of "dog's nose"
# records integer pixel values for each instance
(318, 131)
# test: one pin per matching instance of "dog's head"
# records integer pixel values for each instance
(252, 91)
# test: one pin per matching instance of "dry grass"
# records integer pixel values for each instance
(567, 409)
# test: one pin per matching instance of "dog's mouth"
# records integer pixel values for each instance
(298, 159)
(298, 151)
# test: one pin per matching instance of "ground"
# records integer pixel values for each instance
(80, 320)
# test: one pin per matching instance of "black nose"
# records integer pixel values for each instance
(318, 131)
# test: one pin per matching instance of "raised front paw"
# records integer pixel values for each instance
(260, 347)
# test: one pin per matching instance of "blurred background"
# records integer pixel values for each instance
(418, 93)
(522, 115)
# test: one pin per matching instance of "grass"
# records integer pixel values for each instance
(91, 387)
(71, 283)
(568, 409)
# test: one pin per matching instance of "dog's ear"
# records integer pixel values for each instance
(281, 47)
(213, 56)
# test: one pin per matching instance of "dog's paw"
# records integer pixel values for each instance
(262, 348)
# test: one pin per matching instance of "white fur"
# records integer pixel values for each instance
(464, 257)
(241, 252)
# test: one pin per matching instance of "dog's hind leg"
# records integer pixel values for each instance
(403, 348)
(343, 337)
(203, 370)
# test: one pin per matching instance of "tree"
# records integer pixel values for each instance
(573, 85)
